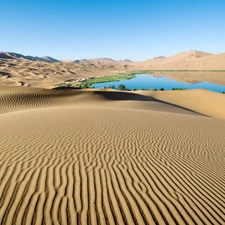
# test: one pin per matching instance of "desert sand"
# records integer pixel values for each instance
(110, 157)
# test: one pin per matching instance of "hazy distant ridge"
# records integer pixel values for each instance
(12, 55)
(189, 55)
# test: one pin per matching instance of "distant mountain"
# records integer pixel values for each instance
(12, 55)
(159, 57)
(125, 60)
(49, 59)
(100, 61)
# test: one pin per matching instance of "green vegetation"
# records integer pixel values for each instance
(111, 78)
(76, 86)
(88, 83)
(63, 85)
(121, 87)
(111, 86)
(83, 85)
(175, 89)
(223, 92)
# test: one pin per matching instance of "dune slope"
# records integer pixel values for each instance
(96, 158)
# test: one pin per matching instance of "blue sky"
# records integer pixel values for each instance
(134, 29)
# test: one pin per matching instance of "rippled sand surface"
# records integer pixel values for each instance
(109, 157)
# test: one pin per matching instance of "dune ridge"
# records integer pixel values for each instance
(106, 157)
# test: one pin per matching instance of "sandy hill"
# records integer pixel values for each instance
(193, 54)
(191, 60)
(110, 157)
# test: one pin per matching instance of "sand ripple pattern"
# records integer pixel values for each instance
(23, 98)
(70, 165)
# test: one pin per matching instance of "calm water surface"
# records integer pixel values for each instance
(142, 81)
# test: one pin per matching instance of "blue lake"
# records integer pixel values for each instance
(142, 81)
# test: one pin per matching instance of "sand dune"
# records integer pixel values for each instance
(190, 55)
(109, 157)
(191, 60)
(23, 72)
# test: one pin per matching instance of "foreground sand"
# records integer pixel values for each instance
(84, 157)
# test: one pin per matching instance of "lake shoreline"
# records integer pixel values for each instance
(158, 82)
